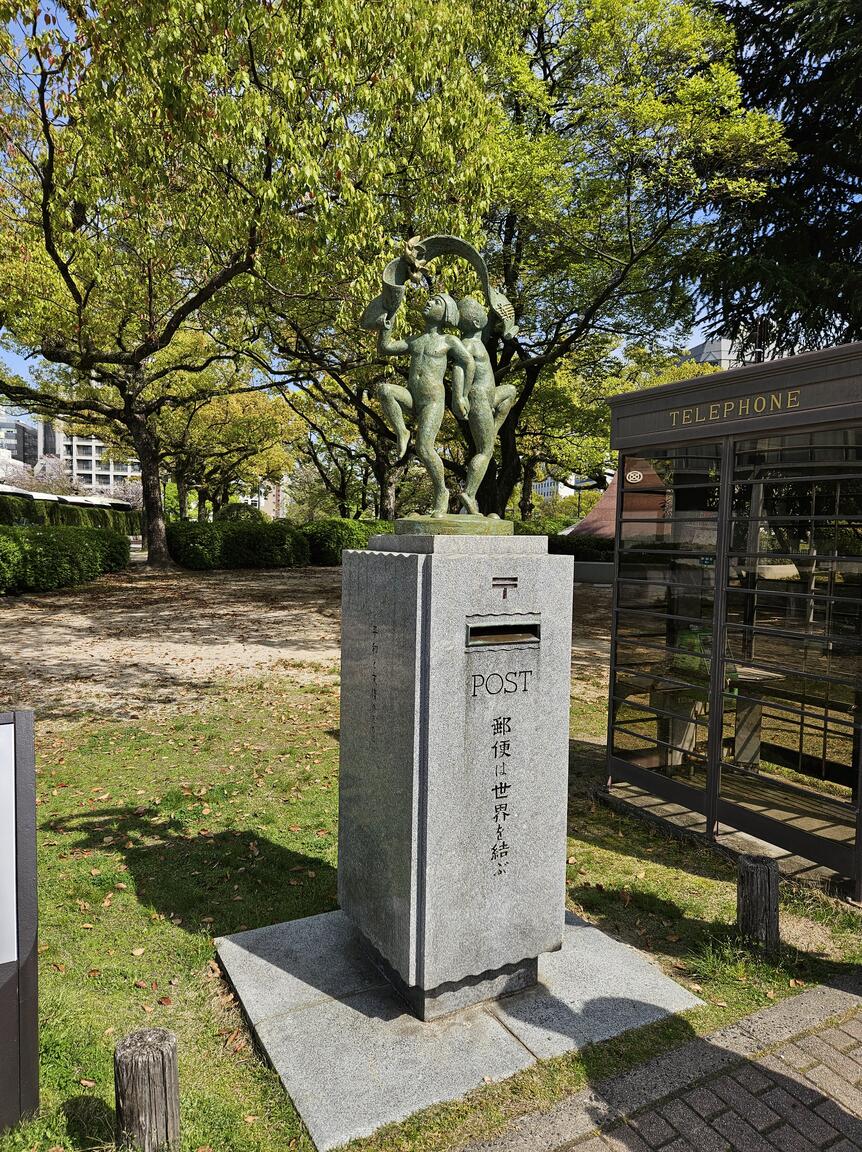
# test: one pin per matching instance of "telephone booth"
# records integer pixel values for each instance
(737, 623)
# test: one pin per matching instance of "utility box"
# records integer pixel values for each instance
(456, 653)
(19, 1038)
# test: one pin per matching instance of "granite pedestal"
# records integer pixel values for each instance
(353, 1057)
(455, 657)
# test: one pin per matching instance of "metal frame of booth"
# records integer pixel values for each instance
(19, 1035)
(736, 656)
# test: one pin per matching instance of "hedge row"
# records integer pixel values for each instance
(327, 538)
(20, 510)
(237, 544)
(251, 542)
(583, 548)
(37, 558)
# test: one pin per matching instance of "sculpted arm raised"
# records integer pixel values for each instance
(386, 346)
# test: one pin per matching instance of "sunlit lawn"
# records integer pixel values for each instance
(157, 835)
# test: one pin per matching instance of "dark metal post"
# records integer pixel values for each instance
(719, 620)
(620, 477)
(19, 1049)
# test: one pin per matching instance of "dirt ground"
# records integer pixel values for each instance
(141, 640)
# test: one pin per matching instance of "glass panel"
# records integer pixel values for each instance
(793, 650)
(667, 542)
(661, 596)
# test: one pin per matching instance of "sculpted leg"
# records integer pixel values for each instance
(394, 400)
(482, 427)
(504, 398)
(428, 421)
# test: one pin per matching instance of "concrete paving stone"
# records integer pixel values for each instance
(594, 988)
(758, 1114)
(853, 1027)
(354, 1064)
(741, 1136)
(704, 1102)
(682, 1118)
(788, 1139)
(752, 1079)
(839, 1039)
(801, 1116)
(847, 1069)
(597, 1144)
(680, 1145)
(810, 1009)
(625, 1139)
(653, 1127)
(571, 1120)
(665, 1075)
(292, 965)
(793, 1055)
(831, 1084)
(845, 1146)
(792, 1081)
(841, 1121)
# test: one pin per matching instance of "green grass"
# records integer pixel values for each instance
(159, 834)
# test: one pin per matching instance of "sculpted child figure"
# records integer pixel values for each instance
(480, 402)
(425, 394)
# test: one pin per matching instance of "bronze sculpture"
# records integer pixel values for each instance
(475, 395)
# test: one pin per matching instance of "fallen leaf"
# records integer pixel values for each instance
(121, 887)
(94, 973)
(294, 827)
(87, 1083)
(641, 874)
(95, 871)
(87, 926)
(137, 951)
(141, 984)
(165, 1001)
(571, 860)
(173, 983)
(770, 995)
(720, 1003)
(696, 988)
(250, 1119)
(148, 1007)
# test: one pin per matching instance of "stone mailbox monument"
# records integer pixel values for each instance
(454, 756)
(451, 961)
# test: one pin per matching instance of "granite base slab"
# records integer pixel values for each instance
(353, 1057)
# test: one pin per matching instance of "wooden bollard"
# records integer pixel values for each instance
(147, 1089)
(757, 902)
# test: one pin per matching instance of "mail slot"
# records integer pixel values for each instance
(510, 632)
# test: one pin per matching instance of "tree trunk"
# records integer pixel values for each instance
(528, 475)
(757, 902)
(147, 1090)
(183, 498)
(147, 448)
(387, 476)
(203, 497)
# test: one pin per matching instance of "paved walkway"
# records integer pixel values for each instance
(788, 1078)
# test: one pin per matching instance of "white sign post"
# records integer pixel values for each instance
(19, 1070)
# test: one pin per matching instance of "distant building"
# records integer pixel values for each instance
(547, 489)
(88, 466)
(18, 438)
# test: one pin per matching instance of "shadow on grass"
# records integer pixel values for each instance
(217, 883)
(593, 824)
(89, 1122)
